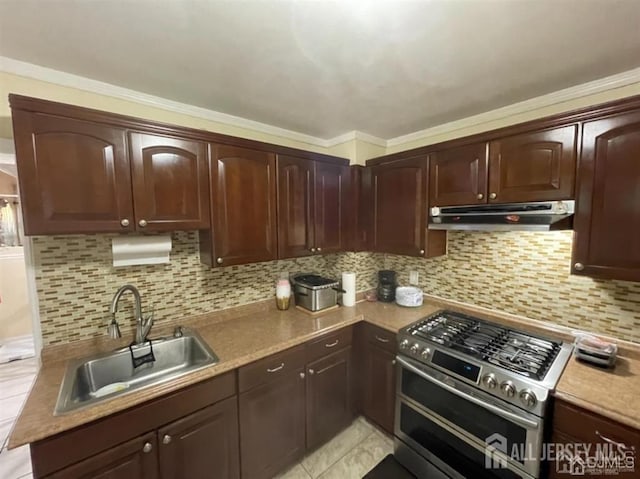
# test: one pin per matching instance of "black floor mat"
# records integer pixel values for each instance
(389, 468)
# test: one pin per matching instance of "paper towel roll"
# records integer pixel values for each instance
(130, 250)
(349, 286)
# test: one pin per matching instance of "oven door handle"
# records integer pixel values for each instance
(497, 410)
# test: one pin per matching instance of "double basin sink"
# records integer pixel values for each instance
(90, 380)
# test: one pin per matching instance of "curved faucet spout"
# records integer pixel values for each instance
(143, 325)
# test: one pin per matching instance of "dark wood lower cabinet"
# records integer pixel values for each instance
(378, 375)
(380, 387)
(272, 425)
(202, 445)
(134, 459)
(330, 406)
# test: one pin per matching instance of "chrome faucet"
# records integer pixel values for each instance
(143, 325)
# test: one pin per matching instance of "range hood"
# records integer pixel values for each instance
(542, 216)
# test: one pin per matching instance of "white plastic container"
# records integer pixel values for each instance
(409, 296)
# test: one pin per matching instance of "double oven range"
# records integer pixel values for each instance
(472, 397)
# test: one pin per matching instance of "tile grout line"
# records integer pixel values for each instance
(345, 454)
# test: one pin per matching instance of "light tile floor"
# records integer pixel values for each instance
(16, 379)
(349, 455)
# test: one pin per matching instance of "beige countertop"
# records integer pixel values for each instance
(247, 334)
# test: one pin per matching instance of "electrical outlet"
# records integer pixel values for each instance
(413, 277)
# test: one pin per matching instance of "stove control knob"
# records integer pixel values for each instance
(404, 344)
(528, 398)
(415, 349)
(490, 381)
(508, 389)
(426, 352)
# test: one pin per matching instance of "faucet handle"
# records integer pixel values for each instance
(151, 315)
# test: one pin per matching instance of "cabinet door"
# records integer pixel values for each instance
(379, 394)
(135, 459)
(244, 205)
(458, 176)
(330, 207)
(272, 426)
(330, 406)
(295, 207)
(399, 191)
(170, 182)
(536, 166)
(202, 445)
(607, 222)
(359, 222)
(74, 175)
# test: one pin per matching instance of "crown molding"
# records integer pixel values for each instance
(355, 135)
(572, 93)
(37, 72)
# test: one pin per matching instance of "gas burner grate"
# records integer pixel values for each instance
(521, 353)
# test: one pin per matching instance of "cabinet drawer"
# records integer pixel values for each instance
(591, 428)
(380, 337)
(270, 368)
(329, 343)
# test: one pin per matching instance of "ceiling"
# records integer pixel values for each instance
(323, 68)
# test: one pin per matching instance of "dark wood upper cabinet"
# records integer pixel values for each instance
(204, 444)
(74, 175)
(330, 403)
(399, 191)
(134, 459)
(458, 176)
(535, 166)
(360, 213)
(272, 424)
(607, 221)
(170, 182)
(331, 207)
(243, 186)
(312, 207)
(295, 207)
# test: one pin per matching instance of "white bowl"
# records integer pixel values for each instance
(409, 296)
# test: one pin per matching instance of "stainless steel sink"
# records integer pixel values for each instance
(94, 379)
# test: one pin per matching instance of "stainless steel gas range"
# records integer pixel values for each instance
(472, 397)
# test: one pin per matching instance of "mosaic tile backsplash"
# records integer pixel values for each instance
(516, 272)
(526, 274)
(76, 281)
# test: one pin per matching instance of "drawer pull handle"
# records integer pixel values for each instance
(382, 340)
(619, 445)
(275, 370)
(331, 345)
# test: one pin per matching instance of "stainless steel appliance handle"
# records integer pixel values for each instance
(497, 410)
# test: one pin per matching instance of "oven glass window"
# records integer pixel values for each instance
(447, 447)
(468, 416)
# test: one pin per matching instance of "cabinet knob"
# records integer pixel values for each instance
(166, 439)
(319, 249)
(480, 196)
(493, 196)
(301, 375)
(311, 371)
(313, 250)
(421, 251)
(219, 260)
(393, 362)
(142, 223)
(147, 447)
(124, 222)
(578, 266)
